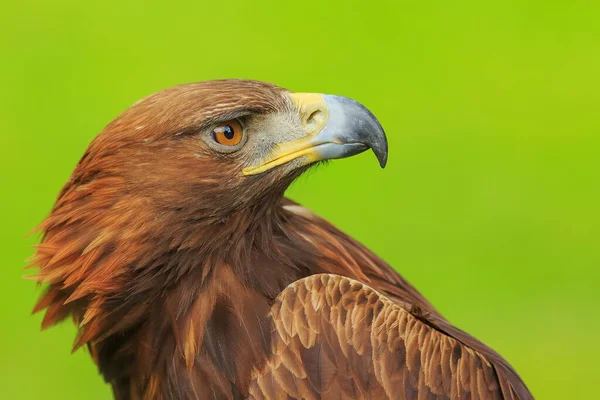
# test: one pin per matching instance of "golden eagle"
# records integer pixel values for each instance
(190, 276)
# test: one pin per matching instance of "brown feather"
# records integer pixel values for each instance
(175, 268)
(400, 366)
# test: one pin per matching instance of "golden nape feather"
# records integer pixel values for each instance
(190, 276)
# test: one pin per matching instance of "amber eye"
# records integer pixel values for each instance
(228, 133)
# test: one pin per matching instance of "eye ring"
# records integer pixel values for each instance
(228, 134)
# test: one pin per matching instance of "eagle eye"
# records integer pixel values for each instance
(229, 133)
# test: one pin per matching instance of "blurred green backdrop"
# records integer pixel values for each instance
(490, 202)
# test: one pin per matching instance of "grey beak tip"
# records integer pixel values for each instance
(355, 123)
(380, 144)
(381, 154)
(383, 160)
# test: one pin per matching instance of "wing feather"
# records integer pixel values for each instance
(336, 338)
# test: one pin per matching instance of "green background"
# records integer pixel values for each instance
(490, 200)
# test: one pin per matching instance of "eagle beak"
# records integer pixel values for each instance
(335, 126)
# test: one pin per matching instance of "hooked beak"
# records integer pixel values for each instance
(335, 126)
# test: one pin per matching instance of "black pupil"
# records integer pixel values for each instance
(228, 132)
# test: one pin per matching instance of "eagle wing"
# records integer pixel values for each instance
(336, 338)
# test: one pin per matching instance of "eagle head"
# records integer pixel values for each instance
(184, 179)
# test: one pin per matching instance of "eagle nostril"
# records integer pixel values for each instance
(315, 119)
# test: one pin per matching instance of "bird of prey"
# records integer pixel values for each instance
(191, 276)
